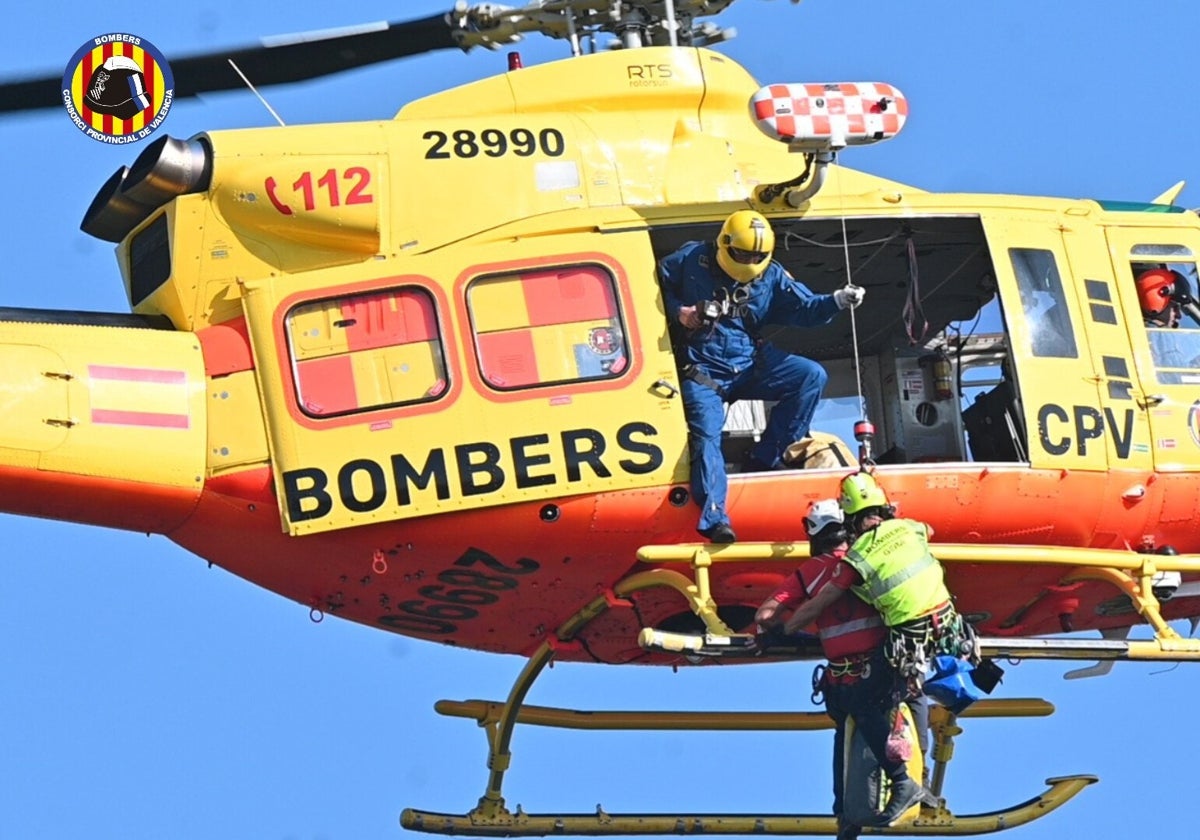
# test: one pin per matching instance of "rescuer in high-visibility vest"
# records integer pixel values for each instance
(903, 580)
(858, 682)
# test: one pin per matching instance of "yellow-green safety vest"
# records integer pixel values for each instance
(901, 578)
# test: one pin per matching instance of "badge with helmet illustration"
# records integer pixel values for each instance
(120, 88)
(117, 87)
(745, 245)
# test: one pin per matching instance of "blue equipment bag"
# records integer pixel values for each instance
(951, 684)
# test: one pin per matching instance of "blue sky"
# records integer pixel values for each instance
(146, 695)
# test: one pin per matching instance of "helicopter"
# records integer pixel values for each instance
(712, 217)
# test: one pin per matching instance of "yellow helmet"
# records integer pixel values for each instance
(860, 491)
(744, 245)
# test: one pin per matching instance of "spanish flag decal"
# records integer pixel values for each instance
(134, 396)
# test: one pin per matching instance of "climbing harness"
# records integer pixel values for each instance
(843, 671)
(911, 647)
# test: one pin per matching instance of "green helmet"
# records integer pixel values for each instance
(860, 491)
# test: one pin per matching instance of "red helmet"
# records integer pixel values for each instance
(1155, 288)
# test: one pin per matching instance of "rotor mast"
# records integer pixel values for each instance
(657, 23)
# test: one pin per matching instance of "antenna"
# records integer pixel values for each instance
(254, 90)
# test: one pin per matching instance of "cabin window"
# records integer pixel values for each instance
(1044, 303)
(547, 327)
(1176, 354)
(1175, 338)
(366, 352)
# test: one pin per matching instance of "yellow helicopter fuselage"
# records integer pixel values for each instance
(418, 373)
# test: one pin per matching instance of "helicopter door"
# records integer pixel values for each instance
(1058, 410)
(1123, 420)
(398, 395)
(1167, 358)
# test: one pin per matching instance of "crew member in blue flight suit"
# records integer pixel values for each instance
(719, 295)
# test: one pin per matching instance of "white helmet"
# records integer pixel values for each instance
(821, 515)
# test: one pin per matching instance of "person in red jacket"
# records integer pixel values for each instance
(857, 682)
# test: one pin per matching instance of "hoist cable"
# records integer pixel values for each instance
(863, 429)
(850, 282)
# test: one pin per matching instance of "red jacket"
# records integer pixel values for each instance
(849, 626)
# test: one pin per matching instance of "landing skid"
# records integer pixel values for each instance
(491, 818)
(932, 822)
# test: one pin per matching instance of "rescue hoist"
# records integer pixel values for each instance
(818, 120)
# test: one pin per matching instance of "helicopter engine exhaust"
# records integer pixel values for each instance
(166, 169)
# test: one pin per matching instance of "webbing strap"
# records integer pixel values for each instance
(698, 376)
(916, 329)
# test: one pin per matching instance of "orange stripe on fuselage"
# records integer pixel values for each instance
(542, 570)
(92, 500)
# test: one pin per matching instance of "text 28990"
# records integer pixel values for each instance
(458, 594)
(493, 143)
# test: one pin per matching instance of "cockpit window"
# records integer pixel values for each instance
(1174, 332)
(1044, 303)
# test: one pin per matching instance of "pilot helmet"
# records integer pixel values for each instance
(744, 245)
(1156, 288)
(859, 492)
(117, 87)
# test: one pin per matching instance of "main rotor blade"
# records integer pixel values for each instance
(287, 58)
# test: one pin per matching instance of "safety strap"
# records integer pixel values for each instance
(698, 376)
(915, 329)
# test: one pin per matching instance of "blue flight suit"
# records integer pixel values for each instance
(728, 361)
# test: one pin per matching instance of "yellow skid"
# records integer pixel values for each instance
(930, 823)
(491, 818)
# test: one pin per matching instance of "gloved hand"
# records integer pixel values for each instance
(768, 637)
(849, 296)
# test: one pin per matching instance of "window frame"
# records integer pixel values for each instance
(1020, 258)
(518, 273)
(435, 313)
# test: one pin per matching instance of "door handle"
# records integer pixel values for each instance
(664, 385)
(1151, 400)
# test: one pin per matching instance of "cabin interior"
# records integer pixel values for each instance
(931, 298)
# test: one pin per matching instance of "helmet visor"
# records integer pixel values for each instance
(747, 257)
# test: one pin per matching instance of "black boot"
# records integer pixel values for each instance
(905, 794)
(719, 533)
(846, 830)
